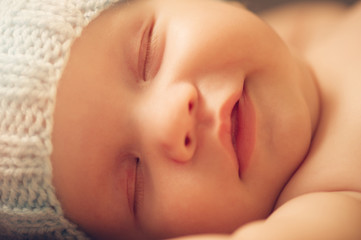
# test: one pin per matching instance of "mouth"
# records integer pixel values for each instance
(243, 131)
(235, 126)
(237, 129)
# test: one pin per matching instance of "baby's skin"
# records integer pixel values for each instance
(188, 117)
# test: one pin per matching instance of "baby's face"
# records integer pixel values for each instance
(177, 117)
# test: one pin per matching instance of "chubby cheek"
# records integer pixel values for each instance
(187, 205)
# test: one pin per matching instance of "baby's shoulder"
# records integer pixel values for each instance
(319, 215)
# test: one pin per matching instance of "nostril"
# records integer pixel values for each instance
(187, 141)
(190, 106)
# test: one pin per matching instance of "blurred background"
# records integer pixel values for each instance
(260, 5)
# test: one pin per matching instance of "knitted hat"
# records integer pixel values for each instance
(35, 41)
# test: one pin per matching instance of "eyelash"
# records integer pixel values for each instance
(138, 187)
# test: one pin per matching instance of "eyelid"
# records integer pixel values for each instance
(138, 188)
(151, 51)
(131, 176)
(144, 49)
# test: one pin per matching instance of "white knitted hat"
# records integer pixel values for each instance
(35, 41)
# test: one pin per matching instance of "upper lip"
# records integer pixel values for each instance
(229, 125)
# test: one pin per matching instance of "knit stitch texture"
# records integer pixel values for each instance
(35, 41)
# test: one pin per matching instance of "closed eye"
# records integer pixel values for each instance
(138, 188)
(145, 52)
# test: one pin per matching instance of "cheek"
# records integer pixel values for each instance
(194, 203)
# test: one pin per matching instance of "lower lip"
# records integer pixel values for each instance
(246, 132)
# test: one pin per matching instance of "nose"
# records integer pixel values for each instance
(176, 120)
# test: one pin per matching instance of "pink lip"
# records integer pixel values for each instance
(243, 120)
(237, 131)
(226, 130)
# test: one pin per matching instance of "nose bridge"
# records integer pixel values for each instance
(176, 121)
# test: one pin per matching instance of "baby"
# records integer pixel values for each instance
(166, 118)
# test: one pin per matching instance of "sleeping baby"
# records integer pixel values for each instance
(192, 119)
